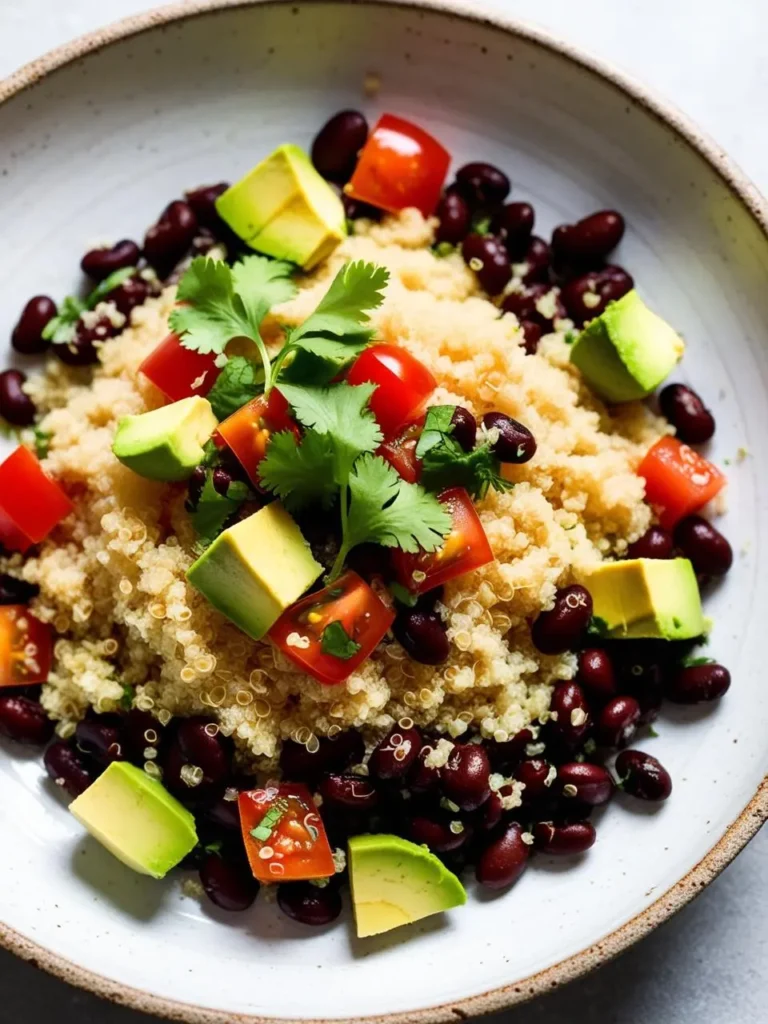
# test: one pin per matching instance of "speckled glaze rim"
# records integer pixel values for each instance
(751, 818)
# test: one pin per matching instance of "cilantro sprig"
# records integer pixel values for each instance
(214, 510)
(239, 382)
(446, 464)
(337, 642)
(61, 329)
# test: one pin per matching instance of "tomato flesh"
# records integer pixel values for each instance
(26, 647)
(400, 165)
(284, 835)
(400, 452)
(403, 384)
(678, 481)
(31, 504)
(465, 548)
(247, 431)
(178, 372)
(365, 618)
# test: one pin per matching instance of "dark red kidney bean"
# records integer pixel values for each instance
(224, 814)
(532, 334)
(350, 792)
(464, 427)
(641, 678)
(26, 336)
(308, 904)
(100, 263)
(562, 627)
(482, 184)
(455, 219)
(589, 783)
(100, 736)
(201, 744)
(140, 731)
(509, 754)
(426, 602)
(15, 404)
(570, 706)
(203, 203)
(656, 542)
(504, 858)
(422, 777)
(490, 814)
(167, 241)
(66, 767)
(394, 756)
(515, 443)
(618, 722)
(587, 296)
(514, 225)
(596, 674)
(697, 684)
(422, 635)
(229, 885)
(24, 720)
(355, 210)
(82, 350)
(591, 238)
(489, 259)
(333, 755)
(221, 481)
(369, 560)
(537, 777)
(465, 778)
(643, 776)
(15, 591)
(538, 257)
(524, 305)
(337, 145)
(435, 832)
(130, 294)
(564, 840)
(693, 421)
(709, 551)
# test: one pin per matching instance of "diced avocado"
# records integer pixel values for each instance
(284, 208)
(394, 882)
(254, 570)
(167, 443)
(627, 351)
(136, 819)
(647, 597)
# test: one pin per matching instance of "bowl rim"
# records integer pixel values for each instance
(753, 816)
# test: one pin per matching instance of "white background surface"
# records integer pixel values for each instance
(710, 964)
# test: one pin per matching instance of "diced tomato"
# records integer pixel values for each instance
(247, 431)
(31, 504)
(465, 548)
(403, 384)
(178, 372)
(678, 481)
(284, 835)
(25, 647)
(399, 166)
(400, 452)
(349, 601)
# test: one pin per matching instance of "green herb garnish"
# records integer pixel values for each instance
(213, 509)
(446, 464)
(126, 701)
(338, 643)
(263, 831)
(61, 329)
(692, 662)
(597, 627)
(239, 382)
(443, 249)
(403, 595)
(42, 442)
(570, 337)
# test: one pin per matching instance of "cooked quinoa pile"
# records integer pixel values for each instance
(112, 576)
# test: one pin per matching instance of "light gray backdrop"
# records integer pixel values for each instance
(710, 964)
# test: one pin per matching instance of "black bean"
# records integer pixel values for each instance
(438, 831)
(514, 225)
(504, 858)
(482, 184)
(464, 427)
(100, 736)
(203, 203)
(100, 263)
(228, 884)
(570, 707)
(562, 627)
(709, 551)
(308, 904)
(130, 294)
(489, 259)
(337, 145)
(697, 684)
(656, 542)
(455, 219)
(15, 591)
(26, 336)
(564, 840)
(422, 635)
(538, 257)
(591, 238)
(589, 783)
(693, 421)
(393, 757)
(587, 296)
(167, 241)
(16, 406)
(514, 443)
(24, 720)
(596, 675)
(348, 792)
(465, 778)
(67, 768)
(643, 776)
(618, 722)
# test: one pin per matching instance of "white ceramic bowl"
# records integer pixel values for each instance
(96, 139)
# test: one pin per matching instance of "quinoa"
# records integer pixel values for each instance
(112, 576)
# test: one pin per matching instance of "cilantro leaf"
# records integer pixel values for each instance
(356, 289)
(42, 442)
(337, 642)
(597, 627)
(299, 474)
(213, 509)
(341, 414)
(385, 509)
(446, 464)
(438, 423)
(261, 284)
(403, 595)
(239, 381)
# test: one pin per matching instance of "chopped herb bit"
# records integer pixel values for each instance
(42, 442)
(215, 846)
(103, 290)
(338, 643)
(239, 382)
(597, 626)
(571, 337)
(214, 510)
(481, 223)
(652, 732)
(271, 819)
(692, 662)
(61, 329)
(403, 595)
(443, 249)
(126, 701)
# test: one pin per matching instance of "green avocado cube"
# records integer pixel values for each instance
(627, 351)
(136, 819)
(285, 209)
(257, 568)
(167, 443)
